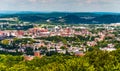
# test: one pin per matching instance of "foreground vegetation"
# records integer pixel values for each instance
(95, 60)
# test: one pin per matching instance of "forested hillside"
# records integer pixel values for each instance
(64, 17)
(94, 60)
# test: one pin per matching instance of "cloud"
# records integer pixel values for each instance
(61, 5)
(33, 0)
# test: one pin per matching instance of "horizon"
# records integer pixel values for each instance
(6, 11)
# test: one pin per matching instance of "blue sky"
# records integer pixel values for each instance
(61, 5)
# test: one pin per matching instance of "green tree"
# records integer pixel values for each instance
(5, 42)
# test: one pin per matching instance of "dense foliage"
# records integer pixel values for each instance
(95, 60)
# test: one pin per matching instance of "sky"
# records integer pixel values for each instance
(61, 5)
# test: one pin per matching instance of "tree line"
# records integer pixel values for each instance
(95, 60)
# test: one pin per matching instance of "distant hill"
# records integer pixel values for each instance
(64, 17)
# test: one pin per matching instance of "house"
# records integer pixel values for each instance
(37, 54)
(61, 51)
(39, 44)
(108, 49)
(79, 53)
(30, 57)
(92, 43)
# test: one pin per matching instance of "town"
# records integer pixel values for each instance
(45, 40)
(59, 35)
